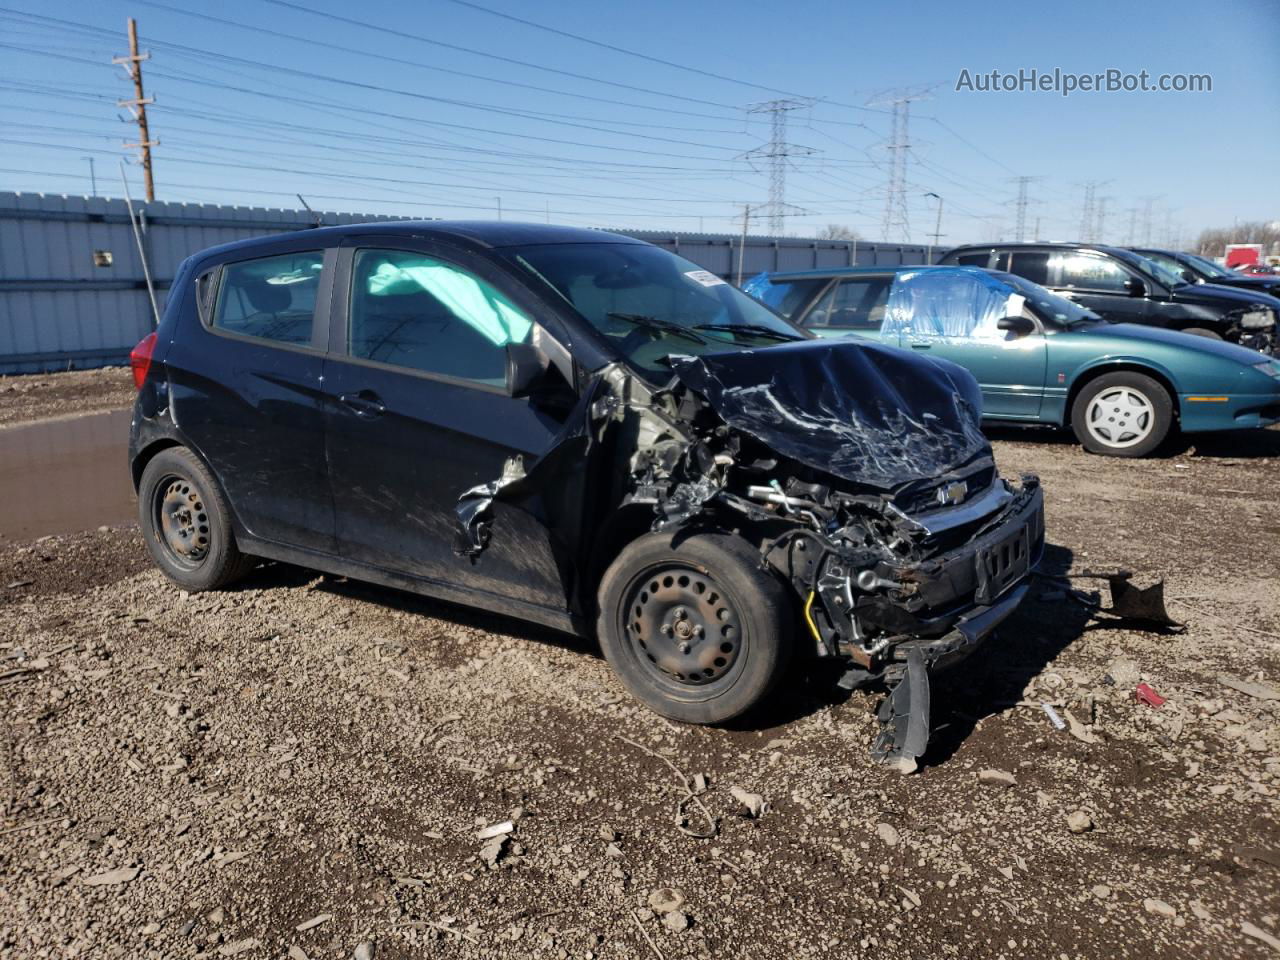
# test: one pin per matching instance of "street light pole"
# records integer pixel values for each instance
(937, 230)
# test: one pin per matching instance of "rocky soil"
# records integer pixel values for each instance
(36, 397)
(304, 766)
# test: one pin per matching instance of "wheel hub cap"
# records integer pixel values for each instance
(682, 625)
(1120, 417)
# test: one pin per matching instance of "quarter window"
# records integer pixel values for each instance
(973, 259)
(1088, 272)
(425, 314)
(273, 298)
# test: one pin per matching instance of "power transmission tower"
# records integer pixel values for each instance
(1100, 221)
(138, 107)
(1086, 213)
(1148, 204)
(1131, 237)
(895, 219)
(1020, 208)
(777, 151)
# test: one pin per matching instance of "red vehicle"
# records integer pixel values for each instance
(1239, 255)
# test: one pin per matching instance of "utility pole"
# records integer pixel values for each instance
(937, 230)
(138, 107)
(776, 151)
(93, 179)
(895, 221)
(1037, 233)
(742, 244)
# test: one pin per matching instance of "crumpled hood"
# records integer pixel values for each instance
(873, 415)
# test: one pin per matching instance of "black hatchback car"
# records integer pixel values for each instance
(1123, 287)
(585, 431)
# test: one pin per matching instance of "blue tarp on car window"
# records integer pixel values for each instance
(949, 302)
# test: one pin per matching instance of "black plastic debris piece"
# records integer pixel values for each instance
(1140, 604)
(904, 715)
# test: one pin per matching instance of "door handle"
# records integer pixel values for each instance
(365, 404)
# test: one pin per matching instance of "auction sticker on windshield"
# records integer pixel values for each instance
(704, 277)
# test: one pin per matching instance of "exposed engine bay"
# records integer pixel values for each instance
(873, 494)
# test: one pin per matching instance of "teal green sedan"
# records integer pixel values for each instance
(1038, 357)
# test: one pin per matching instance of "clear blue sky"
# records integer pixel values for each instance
(657, 146)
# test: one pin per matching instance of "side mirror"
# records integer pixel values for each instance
(1019, 326)
(1135, 287)
(525, 369)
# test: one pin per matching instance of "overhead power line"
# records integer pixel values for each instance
(623, 50)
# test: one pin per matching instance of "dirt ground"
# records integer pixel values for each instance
(302, 765)
(35, 397)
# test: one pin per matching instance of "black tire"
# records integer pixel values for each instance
(709, 592)
(1137, 426)
(186, 523)
(1202, 332)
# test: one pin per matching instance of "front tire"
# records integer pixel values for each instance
(186, 523)
(699, 631)
(1122, 414)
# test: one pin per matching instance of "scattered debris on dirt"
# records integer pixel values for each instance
(305, 747)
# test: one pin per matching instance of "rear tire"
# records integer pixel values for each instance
(1122, 414)
(698, 631)
(186, 523)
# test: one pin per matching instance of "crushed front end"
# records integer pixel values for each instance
(876, 497)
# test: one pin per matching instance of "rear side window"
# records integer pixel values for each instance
(1032, 266)
(273, 298)
(853, 305)
(787, 297)
(425, 314)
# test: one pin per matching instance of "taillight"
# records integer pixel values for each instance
(140, 359)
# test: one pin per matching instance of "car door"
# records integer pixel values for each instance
(953, 316)
(245, 388)
(1101, 284)
(855, 305)
(417, 413)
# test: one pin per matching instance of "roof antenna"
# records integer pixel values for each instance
(314, 215)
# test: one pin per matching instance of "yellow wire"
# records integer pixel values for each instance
(808, 617)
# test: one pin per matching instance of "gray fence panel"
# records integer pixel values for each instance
(59, 309)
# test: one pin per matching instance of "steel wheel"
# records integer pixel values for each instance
(682, 626)
(1120, 416)
(181, 521)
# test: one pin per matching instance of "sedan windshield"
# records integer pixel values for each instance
(650, 303)
(1153, 268)
(1207, 267)
(1052, 309)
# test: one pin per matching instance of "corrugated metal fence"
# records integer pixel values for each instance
(72, 291)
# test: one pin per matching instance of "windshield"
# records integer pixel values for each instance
(650, 303)
(1051, 308)
(1173, 264)
(1169, 277)
(1206, 266)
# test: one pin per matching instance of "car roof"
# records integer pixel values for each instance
(829, 272)
(490, 234)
